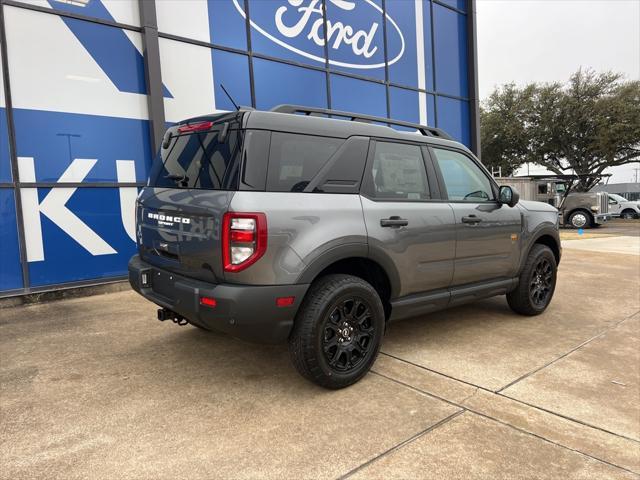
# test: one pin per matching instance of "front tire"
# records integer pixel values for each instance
(580, 219)
(537, 282)
(337, 332)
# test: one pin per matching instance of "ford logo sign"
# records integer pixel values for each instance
(304, 19)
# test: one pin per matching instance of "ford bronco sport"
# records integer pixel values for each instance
(319, 227)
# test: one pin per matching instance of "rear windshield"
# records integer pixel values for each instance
(199, 159)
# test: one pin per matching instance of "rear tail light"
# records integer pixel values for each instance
(195, 127)
(208, 301)
(244, 239)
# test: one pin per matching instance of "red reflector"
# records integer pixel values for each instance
(195, 127)
(208, 302)
(241, 236)
(285, 301)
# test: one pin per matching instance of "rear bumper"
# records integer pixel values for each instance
(248, 312)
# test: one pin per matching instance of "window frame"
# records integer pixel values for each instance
(367, 189)
(440, 177)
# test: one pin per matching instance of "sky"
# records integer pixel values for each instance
(525, 41)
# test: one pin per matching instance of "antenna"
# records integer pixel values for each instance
(225, 91)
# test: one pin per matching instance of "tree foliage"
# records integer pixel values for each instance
(583, 127)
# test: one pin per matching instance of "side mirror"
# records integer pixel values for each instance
(508, 196)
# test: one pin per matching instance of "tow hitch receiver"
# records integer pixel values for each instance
(166, 314)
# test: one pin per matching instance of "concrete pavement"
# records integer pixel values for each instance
(96, 388)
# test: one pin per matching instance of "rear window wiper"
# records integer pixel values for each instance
(181, 180)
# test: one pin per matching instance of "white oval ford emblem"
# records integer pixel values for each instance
(308, 22)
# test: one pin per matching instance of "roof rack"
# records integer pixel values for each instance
(360, 117)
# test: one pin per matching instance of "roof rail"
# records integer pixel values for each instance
(360, 117)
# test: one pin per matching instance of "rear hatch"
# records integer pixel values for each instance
(179, 214)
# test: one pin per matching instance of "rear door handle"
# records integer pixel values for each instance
(394, 221)
(471, 219)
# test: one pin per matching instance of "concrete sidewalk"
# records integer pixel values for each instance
(96, 388)
(616, 244)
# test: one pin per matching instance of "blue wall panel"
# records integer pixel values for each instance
(55, 139)
(404, 105)
(226, 25)
(232, 71)
(5, 165)
(277, 83)
(65, 259)
(404, 70)
(363, 47)
(450, 41)
(267, 38)
(453, 117)
(10, 270)
(348, 94)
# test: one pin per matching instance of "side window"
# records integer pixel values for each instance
(398, 172)
(295, 159)
(463, 179)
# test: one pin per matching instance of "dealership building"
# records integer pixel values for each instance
(88, 87)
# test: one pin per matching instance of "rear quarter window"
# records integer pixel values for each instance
(295, 159)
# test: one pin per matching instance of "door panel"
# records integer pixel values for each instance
(487, 232)
(489, 248)
(422, 251)
(405, 227)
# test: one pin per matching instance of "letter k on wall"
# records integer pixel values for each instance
(54, 207)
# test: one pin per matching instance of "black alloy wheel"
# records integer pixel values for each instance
(348, 334)
(536, 282)
(337, 332)
(541, 282)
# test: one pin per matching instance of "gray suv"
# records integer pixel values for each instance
(319, 227)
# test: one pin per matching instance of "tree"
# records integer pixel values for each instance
(584, 127)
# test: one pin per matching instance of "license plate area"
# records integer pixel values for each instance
(162, 283)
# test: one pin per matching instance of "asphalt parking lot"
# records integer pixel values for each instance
(94, 387)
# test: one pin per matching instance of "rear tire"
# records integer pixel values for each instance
(337, 331)
(628, 214)
(537, 282)
(580, 219)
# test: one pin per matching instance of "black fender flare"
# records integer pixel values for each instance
(351, 250)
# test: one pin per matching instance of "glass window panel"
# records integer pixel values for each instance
(463, 179)
(281, 30)
(353, 95)
(10, 270)
(356, 37)
(398, 172)
(295, 159)
(277, 83)
(200, 160)
(451, 51)
(232, 71)
(453, 118)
